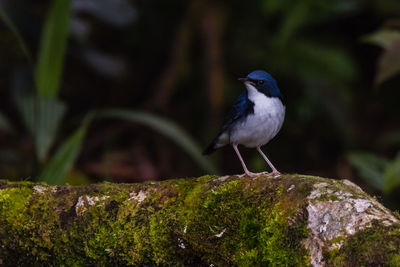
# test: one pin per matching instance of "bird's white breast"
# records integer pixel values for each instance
(261, 126)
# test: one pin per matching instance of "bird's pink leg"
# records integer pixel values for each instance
(246, 171)
(274, 170)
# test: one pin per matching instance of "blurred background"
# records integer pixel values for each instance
(133, 90)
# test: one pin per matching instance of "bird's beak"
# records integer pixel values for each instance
(246, 80)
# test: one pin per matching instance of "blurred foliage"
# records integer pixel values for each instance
(53, 45)
(336, 63)
(5, 126)
(389, 39)
(42, 113)
(165, 127)
(6, 20)
(56, 171)
(42, 117)
(382, 174)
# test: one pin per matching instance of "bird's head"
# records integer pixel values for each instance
(263, 82)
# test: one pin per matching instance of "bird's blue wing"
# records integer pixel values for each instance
(240, 109)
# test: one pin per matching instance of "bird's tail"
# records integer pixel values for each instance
(211, 147)
(218, 142)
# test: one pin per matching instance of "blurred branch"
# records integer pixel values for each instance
(212, 26)
(175, 67)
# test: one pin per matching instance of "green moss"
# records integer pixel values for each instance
(163, 245)
(374, 246)
(394, 260)
(230, 215)
(13, 205)
(338, 239)
(279, 249)
(397, 214)
(328, 197)
(190, 222)
(206, 210)
(269, 238)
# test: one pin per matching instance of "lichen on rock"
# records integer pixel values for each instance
(337, 210)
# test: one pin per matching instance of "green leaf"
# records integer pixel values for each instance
(370, 167)
(389, 61)
(56, 171)
(384, 38)
(165, 127)
(42, 117)
(389, 64)
(52, 49)
(392, 175)
(7, 21)
(5, 125)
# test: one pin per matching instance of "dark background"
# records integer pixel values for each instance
(180, 60)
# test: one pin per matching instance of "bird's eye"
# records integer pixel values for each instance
(260, 82)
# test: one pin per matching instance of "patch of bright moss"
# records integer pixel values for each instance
(394, 260)
(278, 249)
(162, 243)
(13, 204)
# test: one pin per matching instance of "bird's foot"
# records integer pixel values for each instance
(274, 173)
(248, 173)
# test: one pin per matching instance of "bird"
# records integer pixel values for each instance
(255, 118)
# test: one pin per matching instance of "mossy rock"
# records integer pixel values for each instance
(285, 220)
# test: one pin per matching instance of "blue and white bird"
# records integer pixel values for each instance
(255, 118)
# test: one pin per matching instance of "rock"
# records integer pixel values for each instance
(289, 220)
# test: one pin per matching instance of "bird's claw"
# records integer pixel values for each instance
(250, 174)
(274, 173)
